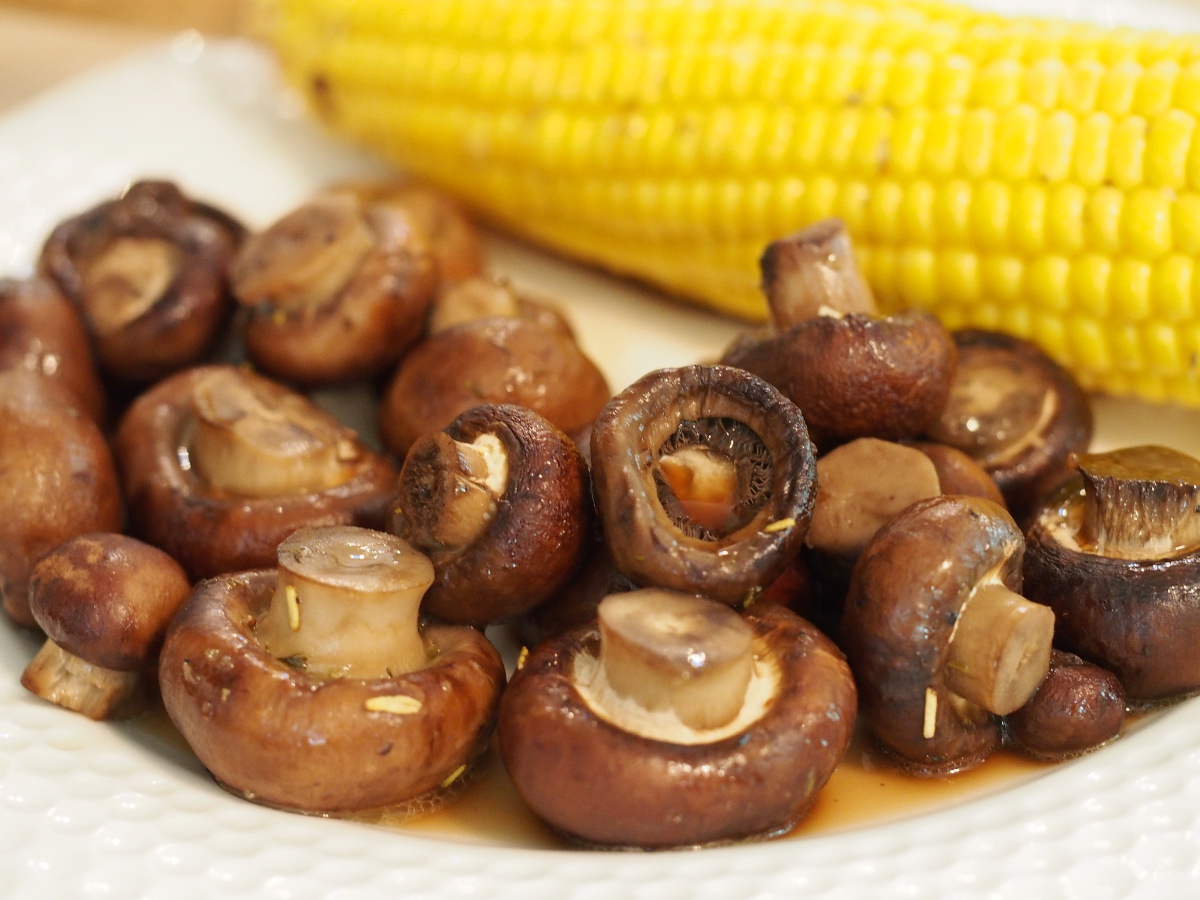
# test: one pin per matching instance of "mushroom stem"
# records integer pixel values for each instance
(811, 271)
(252, 446)
(450, 489)
(75, 684)
(346, 604)
(705, 483)
(475, 298)
(1000, 650)
(126, 279)
(676, 652)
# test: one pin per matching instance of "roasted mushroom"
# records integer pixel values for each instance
(311, 687)
(1116, 553)
(1017, 412)
(338, 290)
(703, 477)
(958, 472)
(219, 465)
(940, 641)
(41, 332)
(494, 360)
(57, 479)
(501, 503)
(104, 601)
(674, 721)
(149, 274)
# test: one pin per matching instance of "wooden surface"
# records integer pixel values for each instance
(45, 42)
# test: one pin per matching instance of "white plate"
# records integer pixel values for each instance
(123, 811)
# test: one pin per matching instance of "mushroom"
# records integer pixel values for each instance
(1017, 412)
(219, 465)
(313, 688)
(338, 289)
(1116, 553)
(494, 360)
(501, 503)
(1078, 708)
(57, 479)
(673, 721)
(149, 274)
(704, 481)
(41, 332)
(104, 601)
(958, 472)
(940, 641)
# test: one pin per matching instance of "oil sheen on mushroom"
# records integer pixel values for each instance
(674, 721)
(704, 481)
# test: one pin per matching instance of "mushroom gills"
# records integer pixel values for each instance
(675, 667)
(253, 445)
(65, 679)
(346, 604)
(1140, 502)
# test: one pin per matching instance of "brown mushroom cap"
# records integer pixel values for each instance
(499, 360)
(282, 737)
(57, 480)
(857, 375)
(746, 422)
(537, 529)
(906, 597)
(603, 785)
(210, 530)
(41, 332)
(148, 272)
(1017, 412)
(958, 472)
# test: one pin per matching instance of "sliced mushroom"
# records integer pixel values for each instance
(149, 274)
(812, 271)
(57, 480)
(940, 640)
(608, 735)
(704, 481)
(499, 360)
(361, 711)
(219, 465)
(1017, 412)
(1115, 553)
(104, 601)
(42, 332)
(338, 290)
(501, 502)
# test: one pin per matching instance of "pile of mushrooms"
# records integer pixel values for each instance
(850, 522)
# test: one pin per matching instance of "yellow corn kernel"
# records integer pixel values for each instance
(1034, 175)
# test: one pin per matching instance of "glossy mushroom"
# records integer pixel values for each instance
(673, 721)
(219, 465)
(939, 638)
(104, 601)
(1116, 553)
(501, 503)
(57, 480)
(312, 687)
(338, 289)
(1017, 412)
(148, 271)
(703, 478)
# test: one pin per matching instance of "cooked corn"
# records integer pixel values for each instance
(1040, 177)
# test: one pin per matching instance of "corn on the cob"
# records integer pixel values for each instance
(1039, 177)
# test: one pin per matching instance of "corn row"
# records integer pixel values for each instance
(1038, 177)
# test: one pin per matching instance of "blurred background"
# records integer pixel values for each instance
(44, 42)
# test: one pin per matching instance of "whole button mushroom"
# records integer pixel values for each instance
(219, 465)
(1017, 412)
(41, 332)
(1115, 552)
(149, 274)
(337, 290)
(674, 721)
(313, 688)
(57, 480)
(501, 503)
(104, 601)
(704, 481)
(939, 639)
